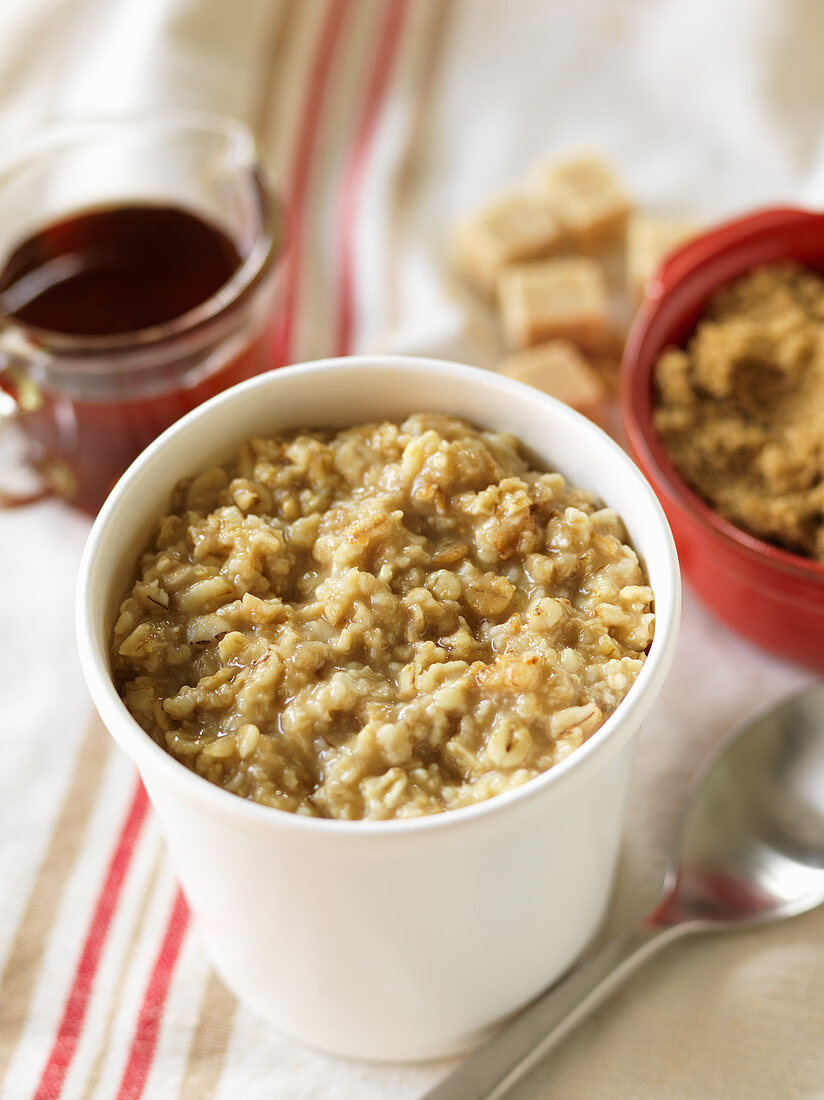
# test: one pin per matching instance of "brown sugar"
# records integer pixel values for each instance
(588, 199)
(741, 408)
(560, 370)
(564, 298)
(650, 239)
(515, 227)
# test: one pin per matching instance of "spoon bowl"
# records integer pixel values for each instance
(752, 841)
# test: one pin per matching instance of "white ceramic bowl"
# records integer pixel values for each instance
(400, 939)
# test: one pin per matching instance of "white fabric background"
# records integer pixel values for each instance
(709, 107)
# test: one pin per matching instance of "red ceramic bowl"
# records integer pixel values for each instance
(771, 596)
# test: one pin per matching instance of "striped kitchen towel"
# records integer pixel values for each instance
(383, 120)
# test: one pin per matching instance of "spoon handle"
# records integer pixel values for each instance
(499, 1063)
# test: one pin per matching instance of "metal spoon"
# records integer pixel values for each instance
(751, 850)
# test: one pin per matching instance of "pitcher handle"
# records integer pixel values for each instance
(10, 411)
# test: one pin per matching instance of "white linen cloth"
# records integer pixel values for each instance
(383, 120)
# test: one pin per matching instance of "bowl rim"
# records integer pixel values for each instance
(646, 444)
(195, 789)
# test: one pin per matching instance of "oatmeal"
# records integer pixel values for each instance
(741, 409)
(382, 622)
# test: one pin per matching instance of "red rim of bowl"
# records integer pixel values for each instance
(636, 387)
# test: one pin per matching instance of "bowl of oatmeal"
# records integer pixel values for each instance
(723, 397)
(379, 634)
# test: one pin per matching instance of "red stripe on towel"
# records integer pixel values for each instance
(144, 1042)
(390, 33)
(302, 164)
(77, 1003)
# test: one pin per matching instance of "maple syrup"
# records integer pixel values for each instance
(115, 270)
(110, 297)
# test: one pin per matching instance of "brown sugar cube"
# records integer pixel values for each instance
(588, 200)
(514, 228)
(564, 297)
(650, 238)
(559, 369)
